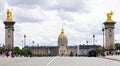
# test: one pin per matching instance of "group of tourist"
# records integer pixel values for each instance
(8, 53)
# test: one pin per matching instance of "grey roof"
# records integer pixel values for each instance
(56, 47)
(41, 47)
(88, 46)
(48, 47)
(71, 47)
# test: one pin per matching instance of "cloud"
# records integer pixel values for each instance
(70, 5)
(24, 3)
(117, 27)
(65, 16)
(2, 10)
(2, 4)
(28, 15)
(67, 5)
(31, 3)
(2, 32)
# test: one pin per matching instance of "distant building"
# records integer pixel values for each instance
(61, 50)
(43, 50)
(84, 49)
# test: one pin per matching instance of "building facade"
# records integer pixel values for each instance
(62, 43)
(62, 49)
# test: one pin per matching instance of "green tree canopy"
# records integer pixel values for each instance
(99, 50)
(117, 46)
(27, 52)
(17, 50)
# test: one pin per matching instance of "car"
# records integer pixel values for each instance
(92, 53)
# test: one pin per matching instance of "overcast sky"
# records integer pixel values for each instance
(42, 20)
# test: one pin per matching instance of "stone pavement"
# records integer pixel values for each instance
(114, 57)
(57, 61)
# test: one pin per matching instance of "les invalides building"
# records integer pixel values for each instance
(61, 50)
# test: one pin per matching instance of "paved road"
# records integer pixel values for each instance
(57, 61)
(114, 57)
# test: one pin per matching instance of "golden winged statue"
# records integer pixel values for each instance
(9, 15)
(109, 16)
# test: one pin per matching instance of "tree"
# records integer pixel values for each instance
(117, 46)
(21, 52)
(17, 50)
(99, 50)
(27, 52)
(1, 50)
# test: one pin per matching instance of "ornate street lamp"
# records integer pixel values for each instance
(33, 47)
(87, 42)
(24, 40)
(93, 39)
(33, 43)
(22, 44)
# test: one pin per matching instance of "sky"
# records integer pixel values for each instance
(42, 20)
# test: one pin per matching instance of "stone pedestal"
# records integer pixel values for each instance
(109, 35)
(9, 35)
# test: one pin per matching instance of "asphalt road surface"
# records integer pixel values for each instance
(57, 61)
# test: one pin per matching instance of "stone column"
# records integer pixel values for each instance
(9, 35)
(109, 35)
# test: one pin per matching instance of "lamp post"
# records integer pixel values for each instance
(22, 43)
(103, 40)
(93, 39)
(33, 43)
(87, 42)
(33, 47)
(24, 40)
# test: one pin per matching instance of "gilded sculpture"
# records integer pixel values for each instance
(109, 16)
(9, 15)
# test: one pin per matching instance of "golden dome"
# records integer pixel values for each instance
(62, 35)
